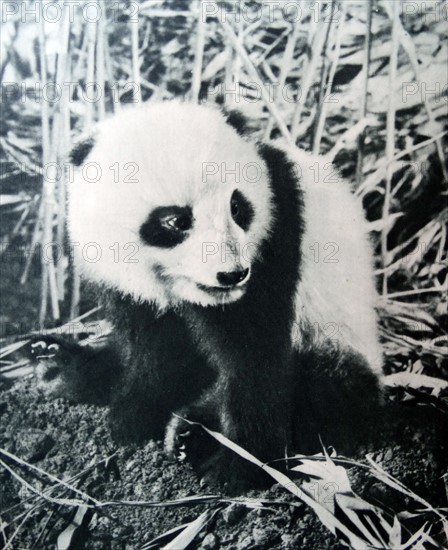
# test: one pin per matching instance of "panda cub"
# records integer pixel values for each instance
(239, 280)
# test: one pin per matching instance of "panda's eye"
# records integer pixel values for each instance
(167, 226)
(178, 223)
(241, 210)
(234, 207)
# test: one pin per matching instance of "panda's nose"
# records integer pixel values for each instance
(232, 278)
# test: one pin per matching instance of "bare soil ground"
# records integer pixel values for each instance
(68, 440)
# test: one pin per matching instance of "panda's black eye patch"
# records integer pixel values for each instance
(167, 226)
(241, 210)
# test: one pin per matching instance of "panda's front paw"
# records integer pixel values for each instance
(185, 440)
(48, 356)
(79, 373)
(216, 465)
(234, 475)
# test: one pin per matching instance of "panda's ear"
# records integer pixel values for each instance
(81, 149)
(238, 121)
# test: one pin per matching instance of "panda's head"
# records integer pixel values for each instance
(169, 204)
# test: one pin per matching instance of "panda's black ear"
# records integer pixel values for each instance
(238, 121)
(81, 149)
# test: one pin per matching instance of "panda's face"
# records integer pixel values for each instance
(179, 210)
(203, 252)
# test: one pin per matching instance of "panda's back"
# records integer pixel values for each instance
(336, 296)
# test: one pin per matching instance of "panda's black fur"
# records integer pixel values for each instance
(232, 366)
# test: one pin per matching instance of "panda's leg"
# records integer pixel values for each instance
(161, 374)
(252, 395)
(338, 401)
(251, 429)
(137, 377)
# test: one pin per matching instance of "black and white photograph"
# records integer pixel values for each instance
(223, 274)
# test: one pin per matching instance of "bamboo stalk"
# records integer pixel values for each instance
(288, 56)
(34, 240)
(252, 71)
(48, 190)
(442, 246)
(81, 60)
(62, 187)
(64, 60)
(317, 37)
(236, 60)
(390, 139)
(90, 73)
(324, 104)
(269, 48)
(414, 292)
(108, 67)
(268, 72)
(53, 289)
(324, 68)
(90, 44)
(100, 65)
(233, 67)
(52, 213)
(76, 290)
(136, 58)
(199, 53)
(364, 96)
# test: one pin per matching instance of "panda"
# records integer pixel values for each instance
(239, 280)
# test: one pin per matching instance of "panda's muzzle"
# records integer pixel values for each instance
(228, 281)
(232, 278)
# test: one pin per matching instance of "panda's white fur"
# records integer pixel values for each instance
(336, 295)
(173, 145)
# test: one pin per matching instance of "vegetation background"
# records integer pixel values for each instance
(362, 81)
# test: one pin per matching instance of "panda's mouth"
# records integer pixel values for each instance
(220, 290)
